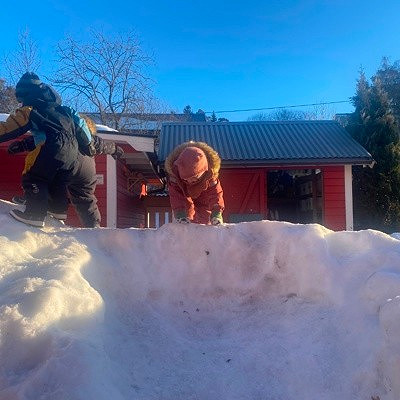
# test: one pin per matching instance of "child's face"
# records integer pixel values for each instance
(193, 179)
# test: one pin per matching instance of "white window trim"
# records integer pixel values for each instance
(348, 193)
(111, 192)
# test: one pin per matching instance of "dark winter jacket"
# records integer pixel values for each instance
(42, 111)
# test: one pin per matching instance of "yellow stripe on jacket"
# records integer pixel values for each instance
(17, 123)
(31, 158)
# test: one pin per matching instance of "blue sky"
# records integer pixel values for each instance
(230, 55)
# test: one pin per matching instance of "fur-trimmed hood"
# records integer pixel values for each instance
(214, 161)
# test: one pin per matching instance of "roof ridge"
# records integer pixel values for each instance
(319, 121)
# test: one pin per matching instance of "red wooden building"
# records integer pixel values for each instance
(297, 171)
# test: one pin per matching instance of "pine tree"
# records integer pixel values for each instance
(377, 189)
(213, 117)
(389, 76)
(187, 110)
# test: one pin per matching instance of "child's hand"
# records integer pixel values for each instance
(216, 218)
(216, 221)
(16, 147)
(118, 153)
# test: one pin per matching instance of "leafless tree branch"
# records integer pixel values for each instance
(25, 58)
(107, 72)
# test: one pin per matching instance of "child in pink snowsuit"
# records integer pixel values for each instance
(194, 188)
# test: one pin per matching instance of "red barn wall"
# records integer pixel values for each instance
(334, 198)
(244, 191)
(11, 167)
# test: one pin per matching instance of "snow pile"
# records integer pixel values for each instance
(262, 310)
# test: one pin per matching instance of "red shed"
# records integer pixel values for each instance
(120, 182)
(297, 171)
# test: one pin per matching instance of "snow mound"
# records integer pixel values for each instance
(261, 310)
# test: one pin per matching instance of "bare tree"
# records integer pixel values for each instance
(107, 74)
(8, 102)
(25, 58)
(318, 112)
(282, 114)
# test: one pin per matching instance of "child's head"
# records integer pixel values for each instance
(191, 164)
(27, 84)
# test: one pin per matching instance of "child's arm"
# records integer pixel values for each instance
(215, 196)
(16, 124)
(179, 202)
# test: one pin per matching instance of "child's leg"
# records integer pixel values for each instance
(58, 199)
(81, 190)
(29, 161)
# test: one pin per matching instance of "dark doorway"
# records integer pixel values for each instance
(295, 195)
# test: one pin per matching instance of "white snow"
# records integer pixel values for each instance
(104, 128)
(261, 310)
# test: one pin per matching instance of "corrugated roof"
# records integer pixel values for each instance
(269, 142)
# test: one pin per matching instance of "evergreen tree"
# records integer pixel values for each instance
(187, 110)
(213, 117)
(377, 189)
(389, 76)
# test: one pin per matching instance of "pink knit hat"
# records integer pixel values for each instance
(191, 162)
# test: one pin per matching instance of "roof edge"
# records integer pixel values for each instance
(295, 162)
(295, 121)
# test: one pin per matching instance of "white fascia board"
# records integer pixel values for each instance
(348, 193)
(144, 143)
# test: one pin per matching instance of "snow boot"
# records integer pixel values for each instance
(19, 200)
(27, 218)
(59, 216)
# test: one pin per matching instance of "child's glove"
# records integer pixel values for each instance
(17, 147)
(183, 220)
(216, 218)
(118, 153)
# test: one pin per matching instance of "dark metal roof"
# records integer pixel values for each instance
(269, 142)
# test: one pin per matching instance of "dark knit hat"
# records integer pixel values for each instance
(191, 162)
(28, 82)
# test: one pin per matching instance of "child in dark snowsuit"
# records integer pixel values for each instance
(57, 158)
(194, 189)
(83, 181)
